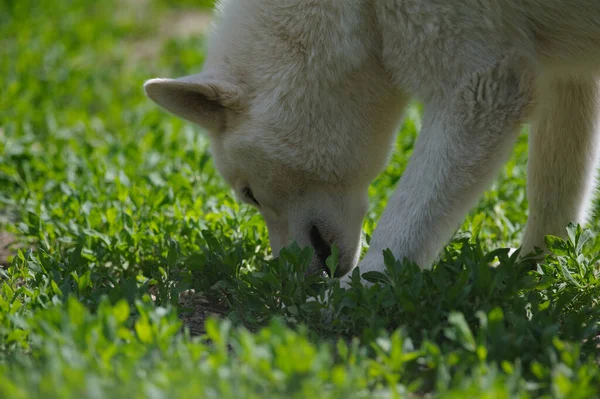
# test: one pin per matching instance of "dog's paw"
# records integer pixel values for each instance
(369, 263)
(346, 280)
(325, 300)
(372, 262)
(532, 258)
(496, 261)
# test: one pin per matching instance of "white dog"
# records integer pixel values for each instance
(302, 100)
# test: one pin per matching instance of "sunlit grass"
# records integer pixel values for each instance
(119, 210)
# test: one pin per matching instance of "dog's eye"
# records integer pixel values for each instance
(247, 191)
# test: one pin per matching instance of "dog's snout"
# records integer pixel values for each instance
(322, 248)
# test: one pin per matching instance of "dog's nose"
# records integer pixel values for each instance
(322, 248)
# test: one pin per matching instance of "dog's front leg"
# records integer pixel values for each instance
(461, 146)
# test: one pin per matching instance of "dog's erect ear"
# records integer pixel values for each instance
(201, 98)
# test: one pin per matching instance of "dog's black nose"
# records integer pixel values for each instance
(322, 248)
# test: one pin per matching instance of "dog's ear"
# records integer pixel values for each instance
(201, 99)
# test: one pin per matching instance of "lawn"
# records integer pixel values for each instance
(128, 270)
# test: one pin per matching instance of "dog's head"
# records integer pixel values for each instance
(296, 133)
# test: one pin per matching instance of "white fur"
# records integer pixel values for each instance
(302, 98)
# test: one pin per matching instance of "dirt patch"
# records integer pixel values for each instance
(195, 308)
(180, 24)
(7, 240)
(198, 310)
(184, 24)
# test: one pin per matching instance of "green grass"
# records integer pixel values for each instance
(118, 210)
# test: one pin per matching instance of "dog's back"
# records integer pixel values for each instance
(567, 33)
